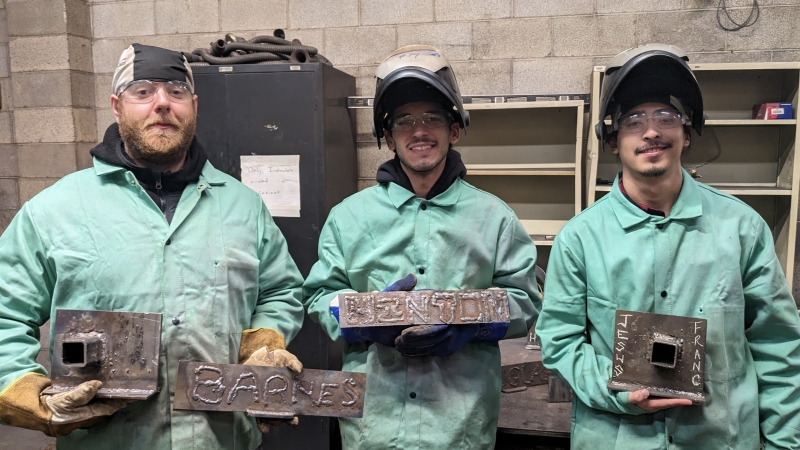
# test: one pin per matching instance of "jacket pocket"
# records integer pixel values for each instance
(236, 293)
(726, 346)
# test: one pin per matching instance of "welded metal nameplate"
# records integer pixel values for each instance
(375, 309)
(272, 392)
(663, 354)
(517, 377)
(121, 349)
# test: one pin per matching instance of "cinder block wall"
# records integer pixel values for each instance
(496, 46)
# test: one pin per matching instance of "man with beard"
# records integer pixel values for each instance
(428, 387)
(663, 243)
(152, 227)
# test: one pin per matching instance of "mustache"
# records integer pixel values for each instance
(430, 142)
(163, 120)
(653, 144)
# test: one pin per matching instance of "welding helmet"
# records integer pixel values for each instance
(649, 73)
(415, 73)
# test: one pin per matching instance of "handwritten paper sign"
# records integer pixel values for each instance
(276, 178)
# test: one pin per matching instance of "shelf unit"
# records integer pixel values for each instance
(529, 155)
(757, 162)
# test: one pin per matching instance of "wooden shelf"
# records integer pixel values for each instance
(524, 105)
(731, 188)
(749, 122)
(522, 169)
(543, 228)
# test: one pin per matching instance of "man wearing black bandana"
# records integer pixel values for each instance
(428, 386)
(152, 227)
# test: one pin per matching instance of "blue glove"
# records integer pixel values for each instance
(381, 335)
(435, 340)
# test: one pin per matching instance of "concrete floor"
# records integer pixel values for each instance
(19, 439)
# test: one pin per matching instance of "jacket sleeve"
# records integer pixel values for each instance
(327, 279)
(772, 329)
(279, 303)
(26, 289)
(561, 327)
(515, 266)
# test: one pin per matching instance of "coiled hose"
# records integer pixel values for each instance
(258, 50)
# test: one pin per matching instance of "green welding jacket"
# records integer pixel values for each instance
(96, 240)
(463, 238)
(713, 258)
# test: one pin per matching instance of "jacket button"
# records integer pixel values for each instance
(421, 271)
(176, 321)
(424, 207)
(670, 439)
(413, 395)
(169, 241)
(660, 226)
(663, 294)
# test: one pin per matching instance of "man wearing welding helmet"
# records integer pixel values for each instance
(661, 242)
(428, 387)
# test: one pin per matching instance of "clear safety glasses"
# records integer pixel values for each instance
(635, 123)
(144, 91)
(432, 119)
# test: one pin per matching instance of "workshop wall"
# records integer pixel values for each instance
(57, 56)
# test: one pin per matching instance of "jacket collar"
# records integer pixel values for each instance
(399, 195)
(687, 206)
(209, 173)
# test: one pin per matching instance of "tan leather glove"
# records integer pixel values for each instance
(266, 347)
(23, 405)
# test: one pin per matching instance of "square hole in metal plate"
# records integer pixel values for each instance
(664, 354)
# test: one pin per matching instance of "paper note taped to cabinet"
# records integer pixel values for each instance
(276, 178)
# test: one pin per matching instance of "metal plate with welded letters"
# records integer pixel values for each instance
(374, 309)
(121, 349)
(517, 377)
(661, 353)
(271, 392)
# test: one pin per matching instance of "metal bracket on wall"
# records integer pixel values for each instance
(269, 392)
(121, 349)
(366, 102)
(374, 309)
(663, 354)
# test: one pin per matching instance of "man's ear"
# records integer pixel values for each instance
(613, 144)
(115, 105)
(389, 141)
(455, 133)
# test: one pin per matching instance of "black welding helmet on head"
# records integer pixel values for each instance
(649, 73)
(415, 73)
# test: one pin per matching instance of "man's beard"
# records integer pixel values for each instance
(153, 147)
(421, 168)
(653, 172)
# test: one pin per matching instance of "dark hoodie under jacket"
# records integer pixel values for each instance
(392, 172)
(164, 188)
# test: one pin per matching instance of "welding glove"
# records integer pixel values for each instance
(382, 335)
(435, 340)
(23, 405)
(266, 347)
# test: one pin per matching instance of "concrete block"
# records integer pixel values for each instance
(3, 26)
(789, 55)
(4, 61)
(379, 12)
(42, 89)
(85, 124)
(46, 160)
(5, 94)
(30, 54)
(745, 4)
(693, 31)
(629, 6)
(362, 184)
(6, 133)
(29, 187)
(483, 77)
(777, 29)
(593, 35)
(83, 159)
(36, 17)
(314, 37)
(449, 10)
(201, 41)
(43, 125)
(6, 216)
(197, 16)
(311, 13)
(552, 76)
(364, 45)
(241, 15)
(454, 39)
(102, 90)
(123, 19)
(364, 126)
(105, 54)
(9, 193)
(80, 54)
(103, 118)
(370, 157)
(82, 89)
(545, 8)
(79, 21)
(729, 57)
(8, 161)
(515, 38)
(365, 78)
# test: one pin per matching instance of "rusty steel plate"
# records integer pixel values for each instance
(374, 309)
(660, 353)
(271, 392)
(517, 377)
(121, 349)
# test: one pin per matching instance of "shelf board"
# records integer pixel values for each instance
(731, 188)
(522, 169)
(525, 105)
(540, 241)
(543, 229)
(750, 122)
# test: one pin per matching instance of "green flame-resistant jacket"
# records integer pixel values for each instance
(463, 238)
(96, 240)
(712, 258)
